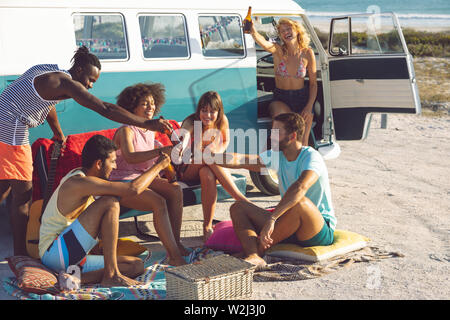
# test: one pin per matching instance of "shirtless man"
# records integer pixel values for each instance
(73, 219)
(305, 214)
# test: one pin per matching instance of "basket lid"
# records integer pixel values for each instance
(211, 268)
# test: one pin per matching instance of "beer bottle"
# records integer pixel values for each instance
(169, 172)
(248, 21)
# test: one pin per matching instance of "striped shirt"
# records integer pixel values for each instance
(21, 107)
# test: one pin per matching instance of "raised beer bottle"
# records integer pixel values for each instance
(248, 21)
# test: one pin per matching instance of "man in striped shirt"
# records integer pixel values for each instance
(27, 103)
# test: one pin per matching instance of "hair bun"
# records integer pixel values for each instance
(82, 50)
(83, 57)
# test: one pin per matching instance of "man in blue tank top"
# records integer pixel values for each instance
(305, 214)
(28, 102)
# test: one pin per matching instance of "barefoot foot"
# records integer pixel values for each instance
(207, 232)
(119, 280)
(177, 262)
(257, 261)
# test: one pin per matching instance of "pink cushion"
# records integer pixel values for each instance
(224, 238)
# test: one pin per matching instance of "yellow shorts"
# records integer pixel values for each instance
(16, 162)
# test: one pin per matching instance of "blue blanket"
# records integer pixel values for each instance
(153, 279)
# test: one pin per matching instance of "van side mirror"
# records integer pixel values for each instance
(342, 51)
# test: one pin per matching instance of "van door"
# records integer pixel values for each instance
(371, 71)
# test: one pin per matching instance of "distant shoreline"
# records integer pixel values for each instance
(323, 24)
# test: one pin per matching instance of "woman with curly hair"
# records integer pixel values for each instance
(293, 59)
(136, 153)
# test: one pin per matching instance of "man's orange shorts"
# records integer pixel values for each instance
(16, 162)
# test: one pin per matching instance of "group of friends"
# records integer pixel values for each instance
(125, 171)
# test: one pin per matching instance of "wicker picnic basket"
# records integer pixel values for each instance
(218, 278)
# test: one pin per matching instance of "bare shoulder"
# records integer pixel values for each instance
(120, 134)
(309, 53)
(82, 186)
(225, 123)
(278, 50)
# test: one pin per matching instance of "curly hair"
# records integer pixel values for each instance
(302, 36)
(130, 96)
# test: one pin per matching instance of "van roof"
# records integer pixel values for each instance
(258, 6)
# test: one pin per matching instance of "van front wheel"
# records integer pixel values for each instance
(267, 183)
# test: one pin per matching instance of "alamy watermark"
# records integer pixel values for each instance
(374, 22)
(200, 147)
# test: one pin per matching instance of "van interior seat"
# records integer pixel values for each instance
(166, 51)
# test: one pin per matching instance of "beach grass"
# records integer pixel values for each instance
(431, 56)
(420, 43)
(433, 81)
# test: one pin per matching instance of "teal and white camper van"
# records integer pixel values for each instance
(195, 46)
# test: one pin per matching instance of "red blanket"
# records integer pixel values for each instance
(71, 156)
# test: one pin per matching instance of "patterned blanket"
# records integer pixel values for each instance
(153, 279)
(283, 269)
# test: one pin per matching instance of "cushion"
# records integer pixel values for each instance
(71, 155)
(344, 242)
(32, 275)
(224, 238)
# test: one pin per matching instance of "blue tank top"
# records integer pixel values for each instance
(21, 107)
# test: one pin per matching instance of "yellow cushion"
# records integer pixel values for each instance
(344, 242)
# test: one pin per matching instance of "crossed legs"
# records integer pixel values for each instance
(304, 220)
(102, 217)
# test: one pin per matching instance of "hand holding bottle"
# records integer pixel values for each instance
(248, 21)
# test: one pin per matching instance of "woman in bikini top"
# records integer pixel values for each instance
(293, 59)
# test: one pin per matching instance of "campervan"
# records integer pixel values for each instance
(363, 68)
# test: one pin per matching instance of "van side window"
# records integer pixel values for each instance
(103, 35)
(221, 36)
(375, 34)
(163, 36)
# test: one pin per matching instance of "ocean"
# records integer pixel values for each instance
(418, 14)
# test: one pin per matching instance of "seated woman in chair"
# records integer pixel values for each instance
(136, 152)
(214, 138)
(293, 59)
